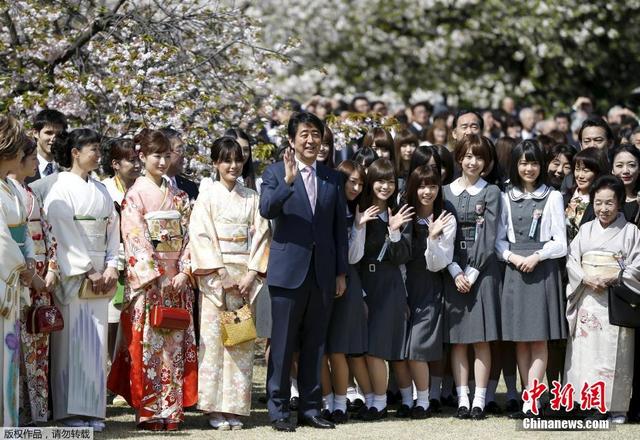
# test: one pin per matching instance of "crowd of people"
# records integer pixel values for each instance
(409, 269)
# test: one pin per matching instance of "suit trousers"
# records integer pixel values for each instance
(300, 323)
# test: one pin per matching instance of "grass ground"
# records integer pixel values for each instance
(121, 425)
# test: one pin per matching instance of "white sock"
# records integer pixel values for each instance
(352, 393)
(327, 402)
(380, 401)
(526, 406)
(434, 388)
(407, 396)
(463, 396)
(423, 399)
(447, 386)
(294, 388)
(340, 403)
(491, 390)
(359, 393)
(368, 399)
(512, 389)
(479, 397)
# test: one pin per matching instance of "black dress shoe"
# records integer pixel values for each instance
(316, 422)
(403, 412)
(373, 414)
(361, 413)
(325, 414)
(354, 405)
(418, 412)
(435, 406)
(463, 412)
(512, 406)
(493, 408)
(293, 403)
(339, 416)
(477, 413)
(283, 425)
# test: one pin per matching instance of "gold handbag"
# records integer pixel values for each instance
(237, 325)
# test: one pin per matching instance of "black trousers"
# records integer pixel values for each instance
(300, 322)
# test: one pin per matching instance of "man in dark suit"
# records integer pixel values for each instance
(307, 267)
(177, 164)
(47, 125)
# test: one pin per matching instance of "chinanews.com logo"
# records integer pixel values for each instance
(592, 398)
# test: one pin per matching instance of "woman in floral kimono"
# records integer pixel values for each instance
(229, 250)
(34, 367)
(84, 222)
(598, 350)
(15, 271)
(155, 369)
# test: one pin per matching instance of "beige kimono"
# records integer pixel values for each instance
(597, 350)
(226, 231)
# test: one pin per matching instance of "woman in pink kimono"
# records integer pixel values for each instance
(155, 369)
(34, 355)
(230, 247)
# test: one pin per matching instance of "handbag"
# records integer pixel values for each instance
(44, 318)
(170, 318)
(86, 291)
(237, 325)
(624, 305)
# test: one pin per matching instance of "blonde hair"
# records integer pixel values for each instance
(12, 137)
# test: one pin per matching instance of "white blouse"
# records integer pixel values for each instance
(552, 225)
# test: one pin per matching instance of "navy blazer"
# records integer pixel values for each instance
(298, 231)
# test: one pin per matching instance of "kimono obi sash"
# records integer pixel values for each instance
(600, 263)
(165, 231)
(19, 234)
(37, 236)
(95, 233)
(233, 238)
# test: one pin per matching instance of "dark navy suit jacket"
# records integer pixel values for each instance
(298, 231)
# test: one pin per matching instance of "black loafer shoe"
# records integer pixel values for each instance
(361, 413)
(516, 415)
(325, 414)
(477, 413)
(493, 408)
(418, 412)
(512, 406)
(373, 414)
(354, 405)
(283, 425)
(316, 422)
(435, 406)
(338, 417)
(403, 412)
(463, 412)
(293, 403)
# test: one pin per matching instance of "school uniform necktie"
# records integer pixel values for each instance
(310, 186)
(48, 169)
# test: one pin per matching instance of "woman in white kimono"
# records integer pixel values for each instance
(85, 224)
(597, 350)
(229, 249)
(15, 271)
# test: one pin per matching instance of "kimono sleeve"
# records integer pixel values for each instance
(113, 239)
(139, 253)
(184, 207)
(631, 273)
(73, 256)
(261, 240)
(574, 260)
(12, 259)
(205, 248)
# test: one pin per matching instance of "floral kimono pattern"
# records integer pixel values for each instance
(155, 369)
(34, 367)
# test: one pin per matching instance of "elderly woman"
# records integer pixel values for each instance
(598, 350)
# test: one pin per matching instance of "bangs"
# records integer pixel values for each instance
(381, 169)
(231, 152)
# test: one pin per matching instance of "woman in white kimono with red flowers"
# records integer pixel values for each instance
(229, 248)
